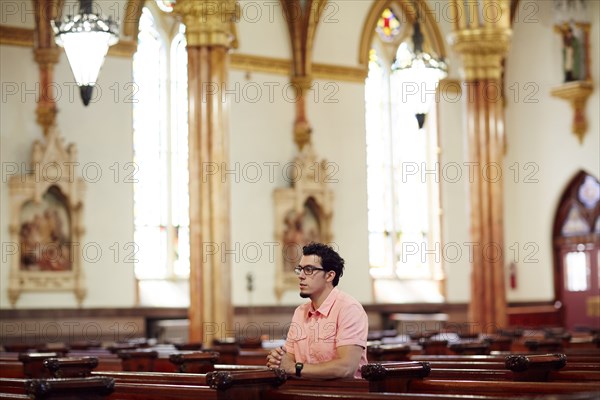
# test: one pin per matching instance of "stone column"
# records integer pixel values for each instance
(481, 35)
(210, 33)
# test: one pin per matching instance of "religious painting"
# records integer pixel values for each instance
(303, 214)
(300, 230)
(46, 223)
(44, 235)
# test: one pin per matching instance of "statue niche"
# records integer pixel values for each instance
(303, 214)
(46, 222)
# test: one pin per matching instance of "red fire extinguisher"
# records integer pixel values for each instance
(512, 274)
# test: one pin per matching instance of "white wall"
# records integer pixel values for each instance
(261, 132)
(103, 135)
(541, 147)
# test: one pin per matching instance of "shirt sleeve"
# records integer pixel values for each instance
(353, 326)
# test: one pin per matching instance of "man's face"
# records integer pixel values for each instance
(312, 284)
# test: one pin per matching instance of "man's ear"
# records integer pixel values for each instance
(330, 276)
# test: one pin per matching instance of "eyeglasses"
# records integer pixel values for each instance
(308, 269)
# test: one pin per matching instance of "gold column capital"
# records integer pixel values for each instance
(209, 22)
(482, 50)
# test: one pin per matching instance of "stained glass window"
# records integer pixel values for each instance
(161, 205)
(575, 224)
(589, 192)
(388, 26)
(403, 208)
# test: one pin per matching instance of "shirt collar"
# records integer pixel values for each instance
(326, 306)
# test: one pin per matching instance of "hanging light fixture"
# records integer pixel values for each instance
(86, 38)
(421, 69)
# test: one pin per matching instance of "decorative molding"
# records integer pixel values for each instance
(282, 66)
(220, 380)
(576, 93)
(23, 37)
(373, 371)
(340, 73)
(483, 51)
(14, 36)
(123, 48)
(43, 262)
(252, 63)
(205, 27)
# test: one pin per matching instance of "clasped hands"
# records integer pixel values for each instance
(277, 359)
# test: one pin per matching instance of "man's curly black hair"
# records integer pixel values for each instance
(330, 259)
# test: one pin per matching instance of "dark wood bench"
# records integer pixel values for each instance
(92, 388)
(238, 385)
(194, 361)
(408, 377)
(70, 367)
(296, 394)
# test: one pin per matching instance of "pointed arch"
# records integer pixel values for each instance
(431, 30)
(571, 199)
(576, 251)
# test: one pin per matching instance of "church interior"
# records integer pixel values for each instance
(449, 151)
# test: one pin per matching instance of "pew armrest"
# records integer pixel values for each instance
(71, 367)
(223, 380)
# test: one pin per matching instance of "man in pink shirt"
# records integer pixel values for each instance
(328, 335)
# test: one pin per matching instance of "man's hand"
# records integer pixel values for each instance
(280, 358)
(275, 356)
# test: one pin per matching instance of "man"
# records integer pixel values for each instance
(328, 335)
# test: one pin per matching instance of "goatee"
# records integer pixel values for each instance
(304, 295)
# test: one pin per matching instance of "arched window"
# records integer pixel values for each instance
(402, 160)
(160, 143)
(577, 252)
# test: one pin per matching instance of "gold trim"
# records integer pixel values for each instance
(124, 48)
(340, 73)
(576, 93)
(281, 66)
(482, 50)
(13, 36)
(260, 64)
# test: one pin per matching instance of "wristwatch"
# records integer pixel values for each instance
(299, 367)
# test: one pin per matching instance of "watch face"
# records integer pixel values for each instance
(299, 367)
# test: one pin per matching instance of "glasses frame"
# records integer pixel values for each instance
(298, 270)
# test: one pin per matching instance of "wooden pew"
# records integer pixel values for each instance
(33, 364)
(408, 377)
(591, 358)
(388, 352)
(296, 394)
(329, 386)
(71, 367)
(90, 388)
(194, 361)
(239, 385)
(223, 385)
(470, 348)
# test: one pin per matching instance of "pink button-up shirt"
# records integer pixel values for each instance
(315, 335)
